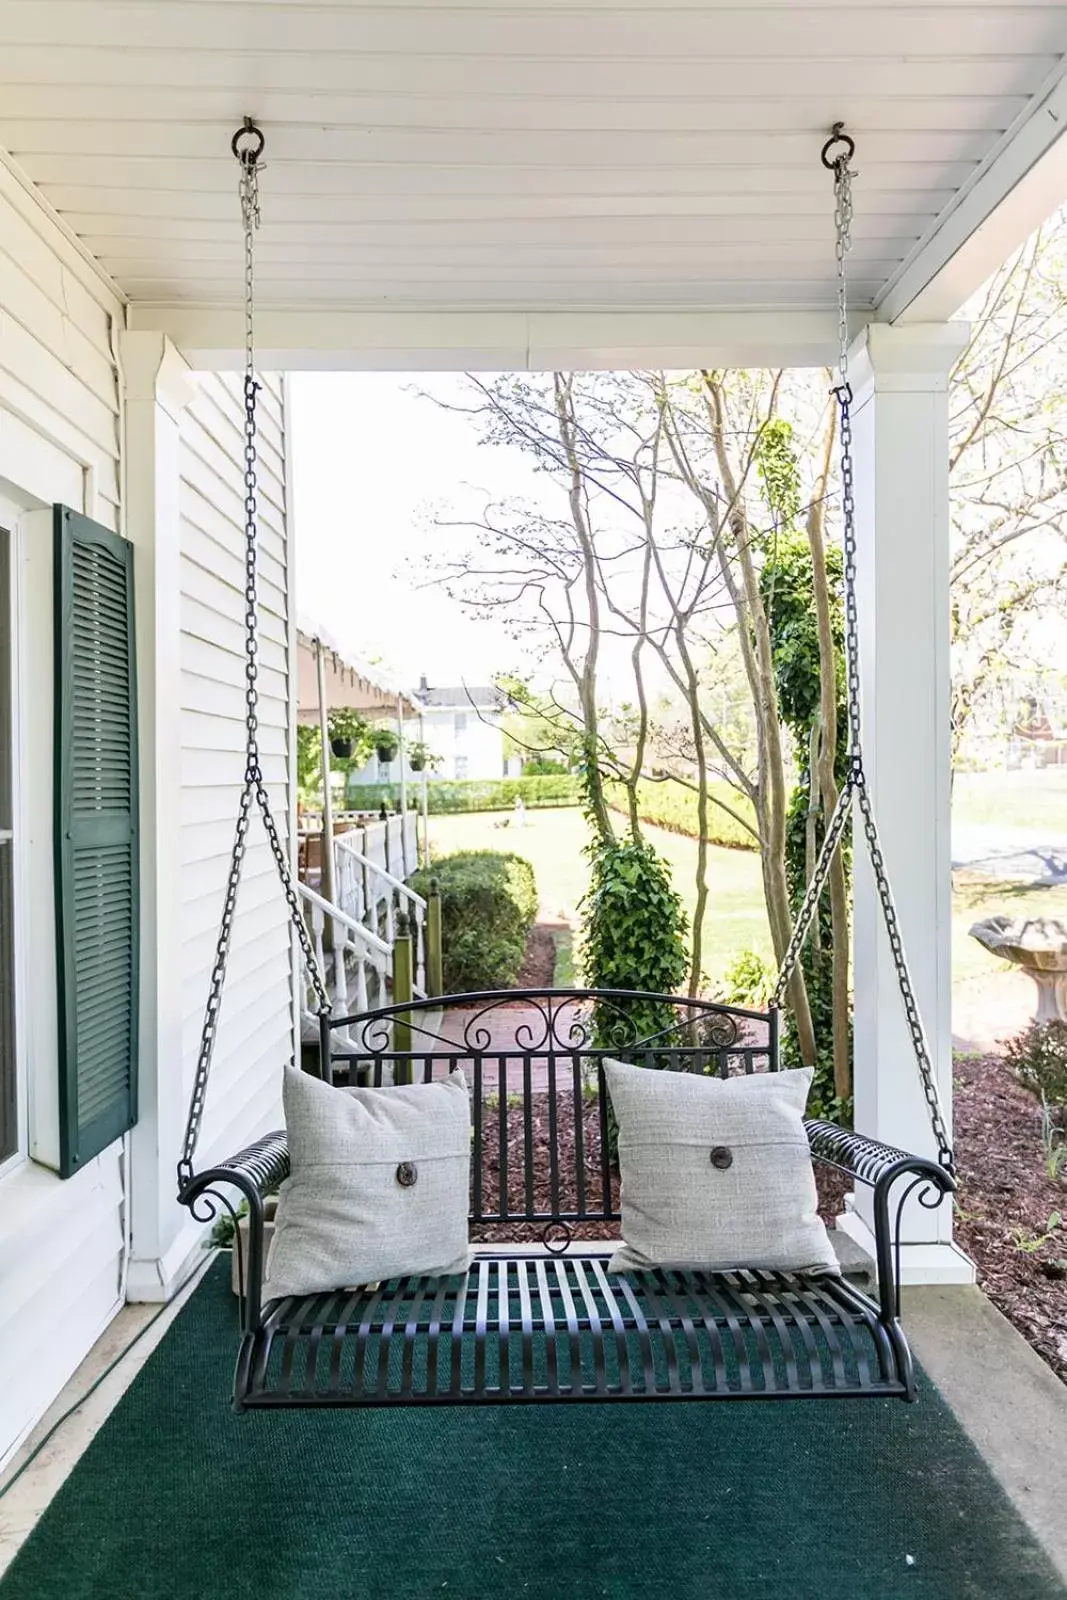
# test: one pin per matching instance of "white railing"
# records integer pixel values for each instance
(372, 895)
(348, 958)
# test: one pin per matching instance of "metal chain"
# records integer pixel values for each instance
(854, 790)
(247, 146)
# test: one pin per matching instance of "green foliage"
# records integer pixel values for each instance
(488, 904)
(787, 585)
(542, 767)
(748, 981)
(776, 463)
(474, 794)
(633, 930)
(1038, 1057)
(385, 740)
(344, 723)
(421, 757)
(669, 805)
(308, 762)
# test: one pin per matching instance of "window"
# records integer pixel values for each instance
(460, 723)
(461, 766)
(8, 1104)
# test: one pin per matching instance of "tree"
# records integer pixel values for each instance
(635, 568)
(1008, 464)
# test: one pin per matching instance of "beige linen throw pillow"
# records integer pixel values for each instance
(378, 1185)
(716, 1173)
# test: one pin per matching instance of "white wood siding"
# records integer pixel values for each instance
(255, 1036)
(60, 1241)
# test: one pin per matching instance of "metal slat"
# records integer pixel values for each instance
(664, 1330)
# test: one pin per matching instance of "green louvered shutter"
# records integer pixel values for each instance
(96, 837)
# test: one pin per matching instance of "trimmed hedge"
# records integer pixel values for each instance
(669, 805)
(488, 905)
(471, 794)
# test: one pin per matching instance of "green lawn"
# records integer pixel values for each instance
(1026, 799)
(553, 842)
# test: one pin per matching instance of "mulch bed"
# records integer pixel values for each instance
(1005, 1201)
(1005, 1198)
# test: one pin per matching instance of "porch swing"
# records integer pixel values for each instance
(546, 1321)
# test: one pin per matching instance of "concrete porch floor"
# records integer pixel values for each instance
(1005, 1397)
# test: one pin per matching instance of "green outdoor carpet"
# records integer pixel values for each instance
(178, 1498)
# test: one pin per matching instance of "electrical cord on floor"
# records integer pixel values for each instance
(167, 1305)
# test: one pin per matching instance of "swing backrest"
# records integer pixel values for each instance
(532, 1059)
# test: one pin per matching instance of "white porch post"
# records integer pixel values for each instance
(900, 383)
(158, 387)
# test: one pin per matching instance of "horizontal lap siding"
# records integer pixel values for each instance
(60, 1242)
(255, 1034)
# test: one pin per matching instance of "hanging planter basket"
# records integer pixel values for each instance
(417, 763)
(343, 749)
(386, 748)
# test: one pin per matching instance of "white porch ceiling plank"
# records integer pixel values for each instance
(180, 177)
(32, 103)
(430, 149)
(120, 235)
(660, 74)
(1016, 190)
(714, 32)
(162, 216)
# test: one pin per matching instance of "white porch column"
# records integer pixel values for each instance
(158, 387)
(900, 383)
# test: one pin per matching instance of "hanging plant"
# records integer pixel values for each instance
(386, 743)
(421, 758)
(350, 734)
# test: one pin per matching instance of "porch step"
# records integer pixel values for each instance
(856, 1265)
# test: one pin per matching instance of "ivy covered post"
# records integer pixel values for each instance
(800, 583)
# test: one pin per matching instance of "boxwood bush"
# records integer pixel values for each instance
(488, 905)
(470, 794)
(671, 806)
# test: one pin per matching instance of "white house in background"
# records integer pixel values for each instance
(463, 727)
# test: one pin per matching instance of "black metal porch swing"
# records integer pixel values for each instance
(549, 1322)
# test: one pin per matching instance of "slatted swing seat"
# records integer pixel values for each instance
(544, 1320)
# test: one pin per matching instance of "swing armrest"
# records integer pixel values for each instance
(879, 1166)
(868, 1160)
(265, 1163)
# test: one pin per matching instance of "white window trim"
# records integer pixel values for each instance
(10, 519)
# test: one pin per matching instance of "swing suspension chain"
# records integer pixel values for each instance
(247, 146)
(837, 153)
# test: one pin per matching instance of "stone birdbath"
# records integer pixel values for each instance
(1037, 945)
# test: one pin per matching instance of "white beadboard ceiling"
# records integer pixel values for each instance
(546, 156)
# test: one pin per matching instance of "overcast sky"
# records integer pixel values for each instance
(373, 460)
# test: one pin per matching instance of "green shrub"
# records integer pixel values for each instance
(633, 932)
(672, 806)
(472, 794)
(488, 905)
(748, 981)
(1038, 1057)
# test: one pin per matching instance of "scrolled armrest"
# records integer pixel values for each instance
(868, 1159)
(255, 1172)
